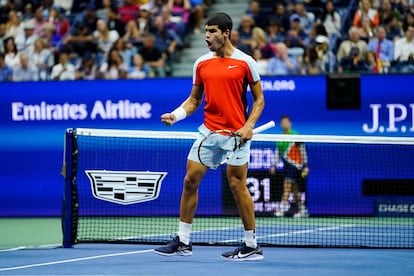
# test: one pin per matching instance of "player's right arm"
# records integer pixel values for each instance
(188, 107)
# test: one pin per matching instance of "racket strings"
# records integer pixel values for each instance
(216, 148)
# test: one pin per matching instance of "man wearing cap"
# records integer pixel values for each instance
(296, 36)
(25, 42)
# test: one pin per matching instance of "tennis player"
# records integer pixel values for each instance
(221, 77)
(295, 164)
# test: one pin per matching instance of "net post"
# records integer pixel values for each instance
(69, 204)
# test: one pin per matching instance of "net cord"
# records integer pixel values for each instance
(335, 139)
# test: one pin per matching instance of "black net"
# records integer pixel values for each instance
(357, 194)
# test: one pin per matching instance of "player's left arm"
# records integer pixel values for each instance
(246, 132)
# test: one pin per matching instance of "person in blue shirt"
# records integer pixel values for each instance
(383, 47)
(281, 63)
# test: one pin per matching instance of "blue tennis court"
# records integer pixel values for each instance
(32, 247)
(99, 259)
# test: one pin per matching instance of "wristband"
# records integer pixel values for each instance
(179, 114)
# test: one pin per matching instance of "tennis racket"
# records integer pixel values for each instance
(219, 146)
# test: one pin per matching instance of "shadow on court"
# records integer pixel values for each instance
(104, 259)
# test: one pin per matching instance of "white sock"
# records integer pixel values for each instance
(250, 238)
(184, 230)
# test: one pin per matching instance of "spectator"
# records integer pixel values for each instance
(42, 58)
(366, 32)
(261, 62)
(12, 58)
(281, 16)
(47, 6)
(152, 56)
(256, 14)
(404, 47)
(133, 35)
(144, 20)
(104, 37)
(353, 41)
(107, 11)
(331, 19)
(281, 63)
(180, 9)
(60, 23)
(371, 62)
(138, 70)
(245, 33)
(14, 26)
(383, 48)
(296, 37)
(38, 21)
(64, 70)
(409, 19)
(325, 56)
(3, 36)
(25, 71)
(236, 41)
(87, 69)
(197, 15)
(310, 64)
(25, 41)
(81, 40)
(353, 62)
(126, 53)
(165, 39)
(6, 72)
(128, 11)
(317, 29)
(52, 38)
(260, 43)
(387, 10)
(392, 28)
(366, 10)
(114, 68)
(274, 34)
(307, 19)
(177, 27)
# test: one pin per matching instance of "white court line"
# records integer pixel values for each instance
(43, 246)
(298, 232)
(75, 260)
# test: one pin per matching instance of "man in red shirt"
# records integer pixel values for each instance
(128, 11)
(222, 75)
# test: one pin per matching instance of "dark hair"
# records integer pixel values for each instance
(14, 44)
(325, 13)
(222, 20)
(285, 117)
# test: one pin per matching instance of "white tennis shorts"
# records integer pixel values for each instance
(240, 157)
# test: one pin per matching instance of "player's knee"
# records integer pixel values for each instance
(236, 185)
(191, 183)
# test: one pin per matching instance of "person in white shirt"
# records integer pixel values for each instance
(331, 19)
(25, 71)
(404, 47)
(105, 37)
(25, 42)
(64, 70)
(11, 53)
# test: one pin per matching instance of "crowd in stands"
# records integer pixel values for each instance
(135, 39)
(94, 39)
(328, 36)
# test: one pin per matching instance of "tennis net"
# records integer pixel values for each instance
(125, 186)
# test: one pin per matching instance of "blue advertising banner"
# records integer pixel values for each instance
(34, 116)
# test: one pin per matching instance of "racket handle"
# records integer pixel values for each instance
(264, 127)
